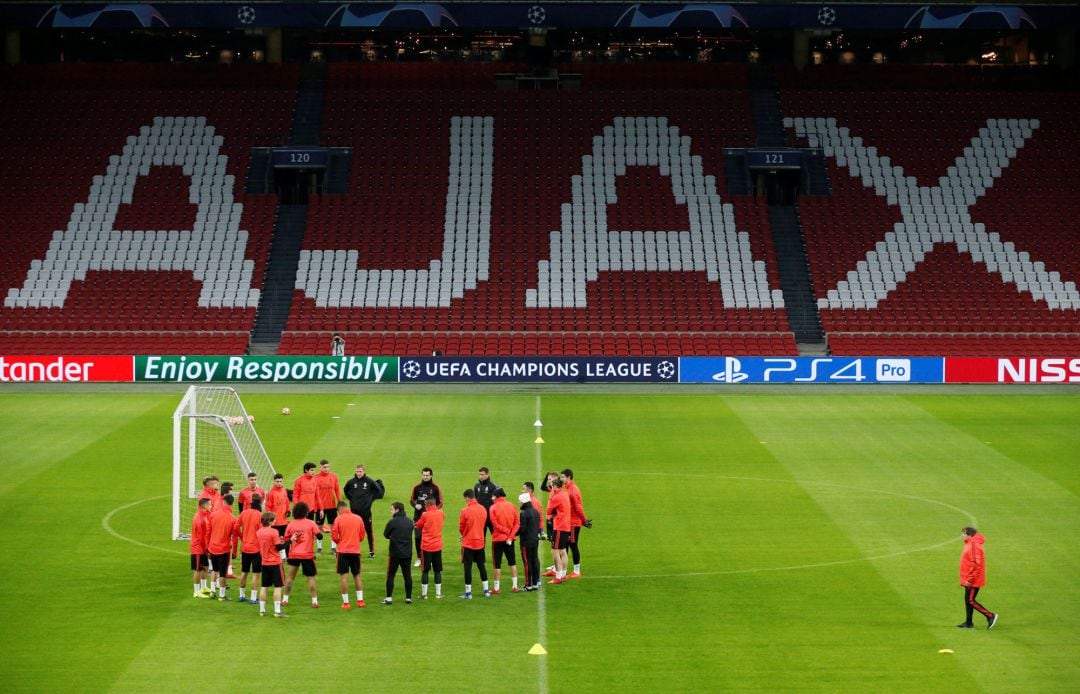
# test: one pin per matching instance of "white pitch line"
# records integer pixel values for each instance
(541, 627)
(105, 523)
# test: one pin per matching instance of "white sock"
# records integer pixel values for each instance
(242, 593)
(202, 584)
(485, 585)
(515, 581)
(468, 587)
(345, 598)
(196, 588)
(229, 571)
(496, 585)
(319, 543)
(438, 589)
(333, 545)
(314, 601)
(221, 591)
(423, 590)
(262, 606)
(360, 595)
(577, 568)
(277, 606)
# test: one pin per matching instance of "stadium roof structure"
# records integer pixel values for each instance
(593, 14)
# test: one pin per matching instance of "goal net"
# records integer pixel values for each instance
(212, 435)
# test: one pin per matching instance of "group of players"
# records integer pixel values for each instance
(279, 532)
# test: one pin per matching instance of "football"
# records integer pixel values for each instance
(285, 410)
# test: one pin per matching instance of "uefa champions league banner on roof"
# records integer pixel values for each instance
(811, 370)
(517, 15)
(540, 369)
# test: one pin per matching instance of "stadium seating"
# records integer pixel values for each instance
(126, 195)
(950, 204)
(538, 222)
(482, 221)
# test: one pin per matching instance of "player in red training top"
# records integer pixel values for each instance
(558, 512)
(430, 525)
(245, 527)
(577, 519)
(200, 537)
(277, 502)
(301, 533)
(471, 524)
(271, 547)
(304, 490)
(221, 542)
(252, 489)
(329, 493)
(211, 490)
(504, 528)
(347, 533)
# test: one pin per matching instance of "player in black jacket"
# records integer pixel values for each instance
(529, 532)
(420, 494)
(361, 491)
(485, 493)
(399, 530)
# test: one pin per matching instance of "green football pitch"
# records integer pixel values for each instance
(781, 540)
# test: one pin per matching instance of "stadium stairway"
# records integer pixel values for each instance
(817, 175)
(280, 277)
(257, 181)
(310, 97)
(291, 220)
(768, 126)
(338, 170)
(795, 278)
(738, 176)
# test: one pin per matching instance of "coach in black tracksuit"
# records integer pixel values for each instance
(399, 530)
(420, 494)
(485, 493)
(529, 532)
(362, 491)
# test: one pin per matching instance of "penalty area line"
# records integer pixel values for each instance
(106, 523)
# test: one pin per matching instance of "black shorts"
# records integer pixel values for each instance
(306, 565)
(348, 563)
(500, 550)
(472, 555)
(198, 562)
(220, 562)
(250, 561)
(273, 576)
(280, 529)
(329, 516)
(431, 560)
(561, 540)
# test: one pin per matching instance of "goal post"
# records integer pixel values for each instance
(212, 435)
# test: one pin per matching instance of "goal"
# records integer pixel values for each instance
(212, 435)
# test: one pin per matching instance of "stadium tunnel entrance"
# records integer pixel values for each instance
(293, 186)
(779, 186)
